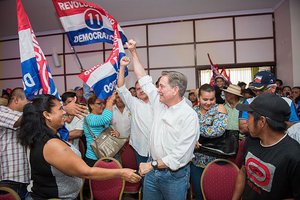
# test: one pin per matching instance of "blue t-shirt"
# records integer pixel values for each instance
(293, 117)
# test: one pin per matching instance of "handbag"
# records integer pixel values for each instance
(105, 145)
(224, 146)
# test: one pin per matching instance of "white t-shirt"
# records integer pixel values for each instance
(121, 121)
(75, 124)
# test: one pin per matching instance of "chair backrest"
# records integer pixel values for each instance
(10, 194)
(239, 156)
(218, 180)
(128, 158)
(108, 189)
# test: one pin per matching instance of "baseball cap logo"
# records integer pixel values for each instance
(257, 79)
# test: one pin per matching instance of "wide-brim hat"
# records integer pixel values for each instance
(234, 89)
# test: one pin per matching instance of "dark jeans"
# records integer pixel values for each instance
(20, 188)
(139, 159)
(196, 173)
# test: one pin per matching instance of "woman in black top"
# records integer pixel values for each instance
(56, 167)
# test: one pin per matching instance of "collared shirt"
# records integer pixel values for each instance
(233, 117)
(13, 158)
(141, 121)
(175, 129)
(121, 121)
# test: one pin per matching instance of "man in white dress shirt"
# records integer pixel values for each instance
(141, 117)
(173, 135)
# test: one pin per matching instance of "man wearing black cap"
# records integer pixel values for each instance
(264, 82)
(271, 166)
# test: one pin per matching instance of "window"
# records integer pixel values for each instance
(236, 74)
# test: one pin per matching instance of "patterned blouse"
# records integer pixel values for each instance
(212, 124)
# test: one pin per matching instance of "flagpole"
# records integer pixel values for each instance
(73, 48)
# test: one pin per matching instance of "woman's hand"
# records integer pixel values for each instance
(130, 175)
(197, 145)
(115, 133)
(111, 98)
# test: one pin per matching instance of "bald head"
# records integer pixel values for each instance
(16, 93)
(17, 99)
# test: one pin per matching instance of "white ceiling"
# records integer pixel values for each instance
(43, 18)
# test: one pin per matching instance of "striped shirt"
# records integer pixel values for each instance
(13, 158)
(97, 124)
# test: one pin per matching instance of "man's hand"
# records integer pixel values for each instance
(76, 109)
(131, 45)
(137, 65)
(124, 61)
(145, 168)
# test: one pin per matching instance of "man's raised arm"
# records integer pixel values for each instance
(138, 68)
(123, 63)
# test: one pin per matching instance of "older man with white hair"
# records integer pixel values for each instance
(173, 135)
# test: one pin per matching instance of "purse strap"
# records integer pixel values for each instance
(88, 128)
(92, 134)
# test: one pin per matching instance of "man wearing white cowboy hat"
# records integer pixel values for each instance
(233, 96)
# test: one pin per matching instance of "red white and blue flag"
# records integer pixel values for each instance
(87, 23)
(36, 75)
(216, 73)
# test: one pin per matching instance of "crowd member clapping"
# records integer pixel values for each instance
(56, 167)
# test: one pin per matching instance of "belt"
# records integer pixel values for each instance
(168, 169)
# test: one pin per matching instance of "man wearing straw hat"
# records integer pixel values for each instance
(233, 96)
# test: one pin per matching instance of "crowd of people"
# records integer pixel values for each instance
(162, 126)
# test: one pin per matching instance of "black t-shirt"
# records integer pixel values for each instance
(219, 99)
(272, 172)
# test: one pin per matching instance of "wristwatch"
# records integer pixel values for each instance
(154, 164)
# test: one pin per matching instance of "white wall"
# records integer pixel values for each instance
(284, 43)
(295, 32)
